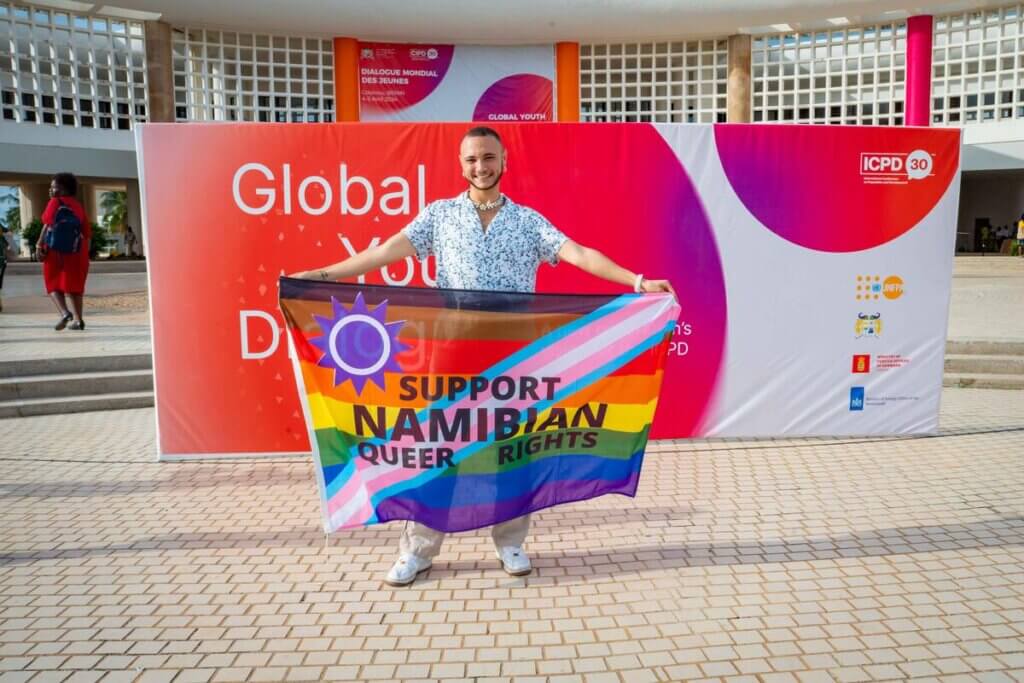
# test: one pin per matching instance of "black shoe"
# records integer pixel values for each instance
(78, 325)
(63, 322)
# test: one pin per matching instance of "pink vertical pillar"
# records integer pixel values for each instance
(918, 106)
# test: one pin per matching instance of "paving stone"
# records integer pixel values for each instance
(785, 559)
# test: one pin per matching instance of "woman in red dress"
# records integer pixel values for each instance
(64, 274)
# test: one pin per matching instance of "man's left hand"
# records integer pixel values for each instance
(652, 286)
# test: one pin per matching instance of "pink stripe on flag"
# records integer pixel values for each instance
(398, 474)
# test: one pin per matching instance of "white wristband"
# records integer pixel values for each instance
(638, 284)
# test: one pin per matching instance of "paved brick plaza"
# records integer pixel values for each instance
(766, 561)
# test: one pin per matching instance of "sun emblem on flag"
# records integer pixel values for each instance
(358, 344)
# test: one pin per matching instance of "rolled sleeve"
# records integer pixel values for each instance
(421, 233)
(549, 240)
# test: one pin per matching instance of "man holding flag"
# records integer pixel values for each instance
(482, 241)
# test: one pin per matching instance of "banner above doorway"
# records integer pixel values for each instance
(406, 82)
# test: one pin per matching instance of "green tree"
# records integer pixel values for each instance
(9, 197)
(100, 240)
(12, 218)
(31, 234)
(12, 213)
(114, 205)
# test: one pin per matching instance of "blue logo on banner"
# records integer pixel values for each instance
(856, 398)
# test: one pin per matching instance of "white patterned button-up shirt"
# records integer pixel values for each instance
(503, 258)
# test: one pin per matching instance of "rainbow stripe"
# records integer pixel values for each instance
(599, 359)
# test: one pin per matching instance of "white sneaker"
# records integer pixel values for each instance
(406, 569)
(513, 560)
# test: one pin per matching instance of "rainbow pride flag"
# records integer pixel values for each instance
(462, 409)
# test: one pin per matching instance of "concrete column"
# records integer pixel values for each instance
(567, 81)
(32, 200)
(87, 198)
(917, 109)
(346, 79)
(134, 217)
(159, 72)
(738, 98)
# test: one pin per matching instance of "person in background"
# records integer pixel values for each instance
(1020, 236)
(64, 272)
(129, 241)
(6, 240)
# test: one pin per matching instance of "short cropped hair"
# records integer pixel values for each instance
(483, 132)
(67, 182)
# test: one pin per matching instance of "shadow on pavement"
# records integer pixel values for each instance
(552, 566)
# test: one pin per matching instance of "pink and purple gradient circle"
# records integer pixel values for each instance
(625, 193)
(811, 186)
(522, 97)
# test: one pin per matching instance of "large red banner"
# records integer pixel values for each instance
(230, 208)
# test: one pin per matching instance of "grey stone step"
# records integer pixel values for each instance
(75, 404)
(66, 366)
(985, 364)
(75, 384)
(983, 381)
(985, 347)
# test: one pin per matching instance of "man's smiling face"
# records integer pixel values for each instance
(483, 161)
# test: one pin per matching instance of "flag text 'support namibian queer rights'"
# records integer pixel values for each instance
(463, 409)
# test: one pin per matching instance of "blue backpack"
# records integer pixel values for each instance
(65, 234)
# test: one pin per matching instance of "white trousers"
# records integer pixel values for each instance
(423, 542)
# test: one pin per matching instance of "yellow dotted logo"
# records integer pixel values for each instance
(869, 287)
(874, 287)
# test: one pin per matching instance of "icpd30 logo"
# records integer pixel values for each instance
(895, 168)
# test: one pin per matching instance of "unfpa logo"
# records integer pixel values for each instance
(892, 287)
(871, 287)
